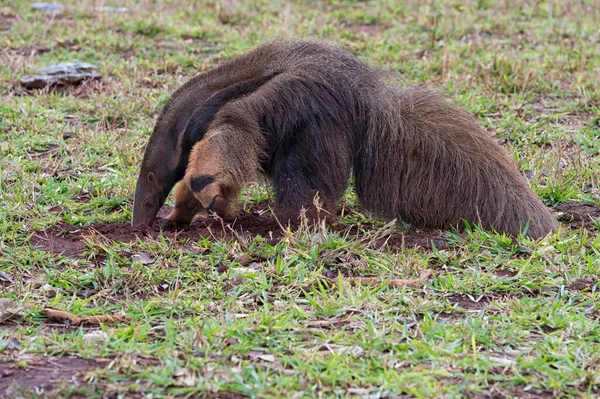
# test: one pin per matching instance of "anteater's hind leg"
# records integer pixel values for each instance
(316, 164)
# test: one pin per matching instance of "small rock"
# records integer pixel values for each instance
(267, 357)
(49, 290)
(47, 8)
(67, 73)
(95, 336)
(9, 344)
(56, 209)
(144, 258)
(242, 259)
(222, 267)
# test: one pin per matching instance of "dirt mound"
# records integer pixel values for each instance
(70, 240)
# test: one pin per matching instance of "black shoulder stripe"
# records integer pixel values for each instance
(205, 114)
(198, 183)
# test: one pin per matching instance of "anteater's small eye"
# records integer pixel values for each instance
(148, 204)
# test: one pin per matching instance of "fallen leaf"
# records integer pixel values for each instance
(248, 271)
(6, 277)
(267, 357)
(502, 360)
(8, 309)
(144, 258)
(185, 377)
(76, 320)
(95, 336)
(319, 323)
(9, 344)
(68, 135)
(222, 267)
(56, 209)
(362, 392)
(49, 290)
(352, 350)
(342, 349)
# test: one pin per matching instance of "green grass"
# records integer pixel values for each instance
(495, 320)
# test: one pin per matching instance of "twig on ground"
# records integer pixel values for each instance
(394, 283)
(76, 320)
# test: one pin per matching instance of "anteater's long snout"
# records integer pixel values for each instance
(147, 202)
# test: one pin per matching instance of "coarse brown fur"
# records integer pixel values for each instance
(306, 114)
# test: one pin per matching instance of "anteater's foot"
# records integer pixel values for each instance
(218, 206)
(311, 216)
(167, 224)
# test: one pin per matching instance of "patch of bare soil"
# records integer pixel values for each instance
(465, 302)
(578, 213)
(41, 375)
(6, 21)
(69, 240)
(504, 273)
(582, 284)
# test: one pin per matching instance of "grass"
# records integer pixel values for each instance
(249, 316)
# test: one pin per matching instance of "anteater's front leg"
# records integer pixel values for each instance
(224, 161)
(186, 207)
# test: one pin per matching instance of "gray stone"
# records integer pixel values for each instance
(68, 73)
(47, 8)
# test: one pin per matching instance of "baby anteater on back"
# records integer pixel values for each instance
(306, 114)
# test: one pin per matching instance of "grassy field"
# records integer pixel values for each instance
(223, 311)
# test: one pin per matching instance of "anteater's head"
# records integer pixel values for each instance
(153, 186)
(164, 158)
(148, 199)
(159, 172)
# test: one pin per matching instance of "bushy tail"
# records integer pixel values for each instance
(427, 162)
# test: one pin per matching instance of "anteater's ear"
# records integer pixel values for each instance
(151, 178)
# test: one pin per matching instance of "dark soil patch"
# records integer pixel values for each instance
(6, 21)
(578, 213)
(504, 273)
(582, 284)
(465, 302)
(69, 240)
(43, 374)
